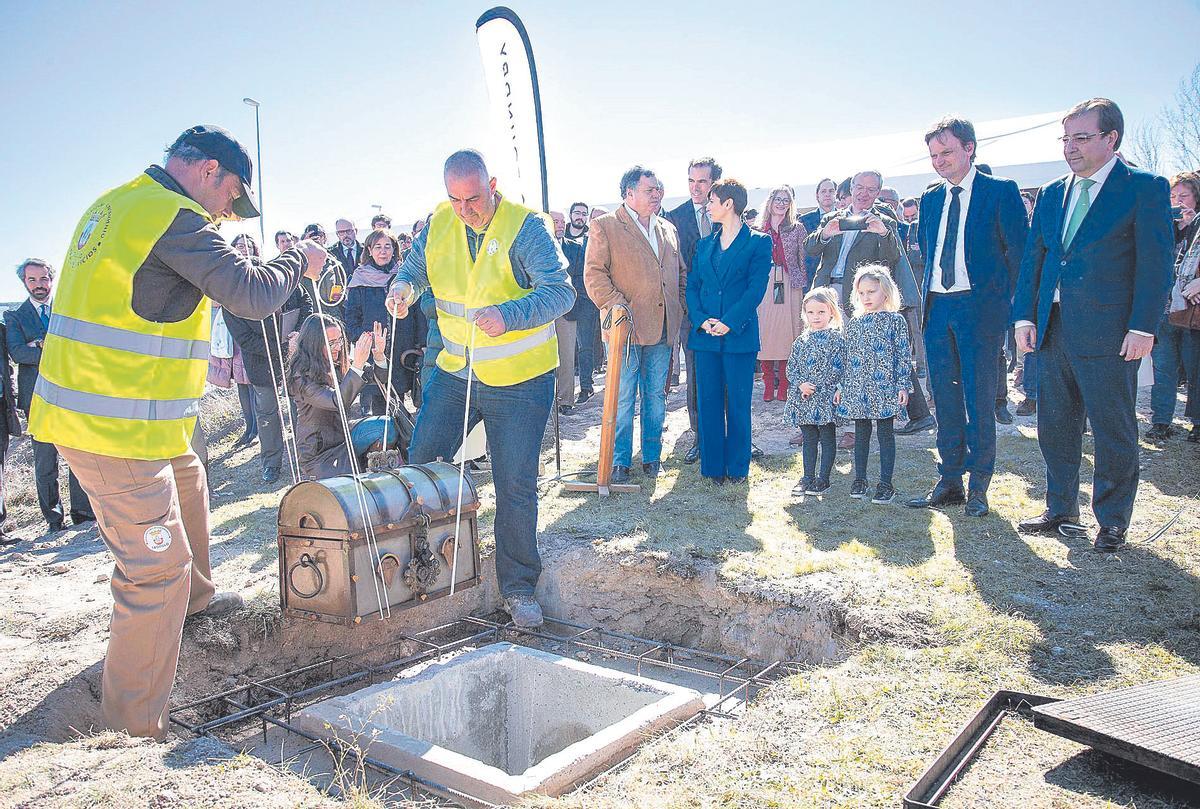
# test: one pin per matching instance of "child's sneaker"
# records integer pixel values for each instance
(803, 487)
(858, 489)
(884, 494)
(819, 486)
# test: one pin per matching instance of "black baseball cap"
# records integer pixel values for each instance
(217, 144)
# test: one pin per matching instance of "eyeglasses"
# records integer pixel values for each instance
(1082, 139)
(856, 188)
(784, 200)
(348, 232)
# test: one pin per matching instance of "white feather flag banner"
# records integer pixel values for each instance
(516, 107)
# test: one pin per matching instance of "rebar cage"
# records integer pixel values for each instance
(271, 701)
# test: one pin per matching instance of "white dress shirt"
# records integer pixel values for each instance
(962, 281)
(649, 233)
(37, 305)
(1072, 200)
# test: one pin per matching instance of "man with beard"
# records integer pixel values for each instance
(584, 317)
(26, 326)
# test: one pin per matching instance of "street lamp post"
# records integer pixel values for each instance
(262, 223)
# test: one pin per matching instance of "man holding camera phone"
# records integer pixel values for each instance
(867, 234)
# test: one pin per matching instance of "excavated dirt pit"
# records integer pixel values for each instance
(538, 703)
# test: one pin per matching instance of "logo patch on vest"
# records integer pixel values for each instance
(98, 219)
(492, 247)
(157, 538)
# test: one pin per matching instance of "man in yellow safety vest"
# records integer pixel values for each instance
(123, 368)
(499, 281)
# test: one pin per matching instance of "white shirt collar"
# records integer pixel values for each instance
(37, 305)
(1100, 176)
(634, 216)
(968, 181)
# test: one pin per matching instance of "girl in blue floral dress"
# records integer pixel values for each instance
(876, 382)
(813, 372)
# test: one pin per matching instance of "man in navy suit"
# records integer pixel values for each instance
(1093, 284)
(26, 329)
(348, 250)
(691, 221)
(972, 233)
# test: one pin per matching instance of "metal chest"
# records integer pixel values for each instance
(328, 567)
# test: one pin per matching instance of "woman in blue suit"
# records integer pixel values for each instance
(725, 285)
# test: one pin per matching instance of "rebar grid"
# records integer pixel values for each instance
(738, 681)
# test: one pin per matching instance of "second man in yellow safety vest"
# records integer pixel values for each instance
(499, 281)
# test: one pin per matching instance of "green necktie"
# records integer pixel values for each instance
(1081, 208)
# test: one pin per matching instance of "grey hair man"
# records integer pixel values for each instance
(499, 282)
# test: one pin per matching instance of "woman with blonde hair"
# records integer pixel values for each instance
(779, 320)
(814, 370)
(877, 378)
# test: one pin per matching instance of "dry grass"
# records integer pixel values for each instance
(982, 608)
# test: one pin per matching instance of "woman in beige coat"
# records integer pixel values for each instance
(779, 321)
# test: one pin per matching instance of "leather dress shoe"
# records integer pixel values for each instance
(620, 474)
(977, 504)
(1045, 523)
(943, 494)
(693, 453)
(565, 409)
(1110, 539)
(917, 426)
(270, 474)
(1003, 416)
(1027, 407)
(652, 470)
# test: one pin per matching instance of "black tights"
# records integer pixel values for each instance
(824, 435)
(862, 448)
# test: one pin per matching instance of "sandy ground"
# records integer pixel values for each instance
(54, 605)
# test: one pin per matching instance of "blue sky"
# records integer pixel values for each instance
(363, 100)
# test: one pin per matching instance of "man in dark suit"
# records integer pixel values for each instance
(826, 193)
(26, 330)
(692, 222)
(972, 230)
(584, 314)
(348, 250)
(1093, 284)
(10, 425)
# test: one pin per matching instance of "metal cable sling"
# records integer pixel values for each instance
(293, 463)
(385, 609)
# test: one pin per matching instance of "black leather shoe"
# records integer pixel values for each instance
(583, 396)
(565, 410)
(1045, 523)
(918, 426)
(977, 504)
(943, 494)
(620, 474)
(1028, 407)
(1003, 416)
(270, 474)
(693, 453)
(652, 470)
(1110, 539)
(1159, 432)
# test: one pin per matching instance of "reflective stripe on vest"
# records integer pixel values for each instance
(483, 353)
(111, 407)
(463, 284)
(110, 381)
(152, 345)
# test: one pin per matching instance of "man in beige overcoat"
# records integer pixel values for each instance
(633, 260)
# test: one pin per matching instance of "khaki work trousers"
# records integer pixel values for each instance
(153, 516)
(565, 374)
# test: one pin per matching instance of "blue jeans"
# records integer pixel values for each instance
(645, 369)
(1166, 356)
(1029, 379)
(515, 419)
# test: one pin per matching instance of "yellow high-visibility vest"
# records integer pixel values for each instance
(111, 382)
(462, 287)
